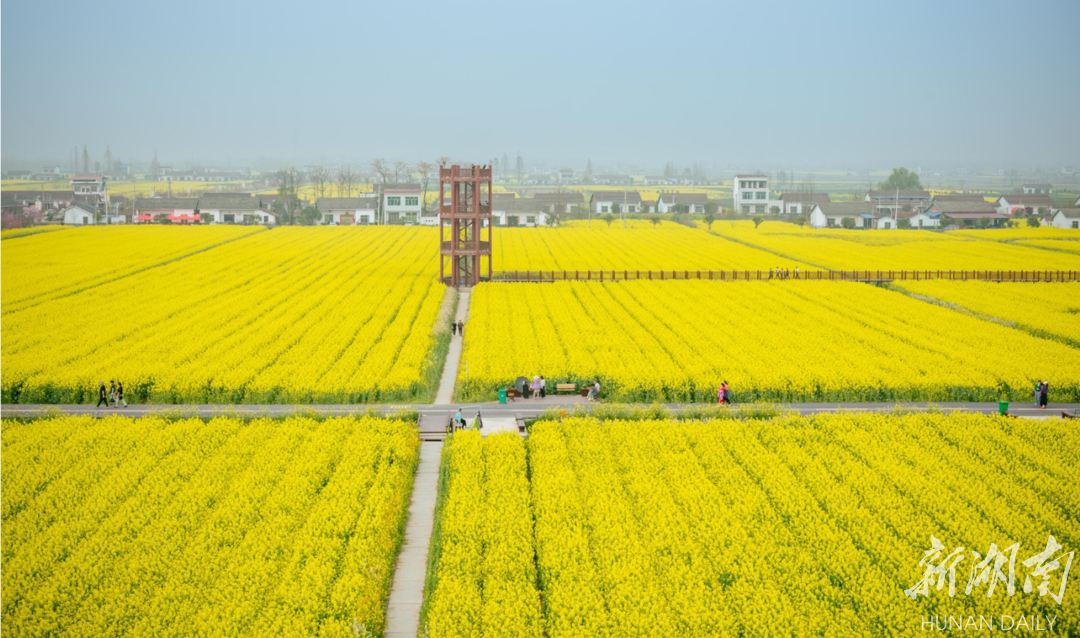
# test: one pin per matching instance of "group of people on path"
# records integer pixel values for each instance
(538, 387)
(723, 394)
(113, 396)
(782, 273)
(457, 327)
(1042, 393)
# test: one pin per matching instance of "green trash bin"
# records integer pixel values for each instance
(502, 395)
(1003, 407)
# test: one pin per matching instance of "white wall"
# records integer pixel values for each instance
(1061, 221)
(628, 207)
(926, 221)
(75, 216)
(817, 218)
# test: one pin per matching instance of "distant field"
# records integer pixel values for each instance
(896, 249)
(640, 246)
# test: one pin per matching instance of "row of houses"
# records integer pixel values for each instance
(943, 210)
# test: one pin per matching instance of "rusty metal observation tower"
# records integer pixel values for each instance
(464, 213)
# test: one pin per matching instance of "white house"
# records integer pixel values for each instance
(1066, 218)
(605, 201)
(149, 210)
(925, 220)
(430, 218)
(750, 193)
(520, 212)
(89, 185)
(688, 202)
(798, 203)
(400, 203)
(893, 201)
(966, 213)
(79, 214)
(1020, 204)
(833, 214)
(347, 211)
(229, 208)
(1037, 189)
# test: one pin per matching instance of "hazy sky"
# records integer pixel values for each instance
(744, 83)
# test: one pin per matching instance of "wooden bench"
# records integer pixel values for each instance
(512, 394)
(1065, 414)
(566, 387)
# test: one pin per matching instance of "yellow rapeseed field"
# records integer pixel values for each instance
(640, 246)
(894, 250)
(794, 526)
(50, 265)
(153, 527)
(290, 315)
(1047, 308)
(1066, 245)
(780, 340)
(32, 230)
(482, 571)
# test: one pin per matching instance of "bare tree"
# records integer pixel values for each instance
(345, 180)
(319, 178)
(424, 170)
(443, 160)
(400, 168)
(381, 168)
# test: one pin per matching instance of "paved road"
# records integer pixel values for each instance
(517, 408)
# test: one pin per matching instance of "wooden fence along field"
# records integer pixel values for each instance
(546, 276)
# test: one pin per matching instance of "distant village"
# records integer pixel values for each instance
(546, 201)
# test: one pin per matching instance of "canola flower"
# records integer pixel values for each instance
(1052, 309)
(482, 574)
(50, 265)
(838, 249)
(291, 315)
(136, 527)
(780, 341)
(32, 230)
(640, 246)
(1066, 245)
(792, 526)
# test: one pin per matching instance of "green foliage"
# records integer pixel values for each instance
(903, 223)
(309, 216)
(608, 218)
(848, 222)
(710, 215)
(655, 219)
(1033, 221)
(757, 219)
(902, 179)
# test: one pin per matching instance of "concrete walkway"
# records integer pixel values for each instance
(453, 355)
(407, 588)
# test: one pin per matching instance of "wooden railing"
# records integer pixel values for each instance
(547, 276)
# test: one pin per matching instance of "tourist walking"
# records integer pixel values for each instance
(796, 272)
(720, 395)
(461, 328)
(535, 387)
(103, 397)
(543, 387)
(727, 393)
(120, 394)
(453, 328)
(1044, 394)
